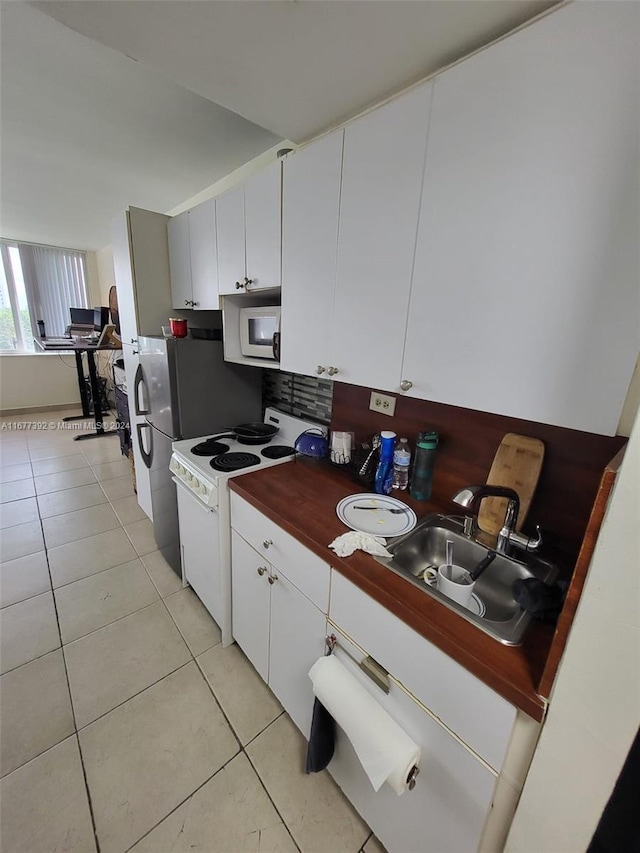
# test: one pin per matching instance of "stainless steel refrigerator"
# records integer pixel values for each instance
(185, 389)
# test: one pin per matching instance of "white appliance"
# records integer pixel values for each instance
(204, 510)
(259, 331)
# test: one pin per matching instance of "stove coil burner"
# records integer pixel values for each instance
(210, 447)
(277, 451)
(234, 461)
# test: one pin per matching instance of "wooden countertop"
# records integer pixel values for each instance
(301, 497)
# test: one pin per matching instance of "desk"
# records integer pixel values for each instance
(78, 348)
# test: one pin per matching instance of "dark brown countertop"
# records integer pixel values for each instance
(301, 497)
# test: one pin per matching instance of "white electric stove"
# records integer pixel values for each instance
(203, 505)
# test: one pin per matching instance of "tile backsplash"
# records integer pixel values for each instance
(302, 396)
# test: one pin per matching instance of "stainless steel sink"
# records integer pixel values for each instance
(495, 612)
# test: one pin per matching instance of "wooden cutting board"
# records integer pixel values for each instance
(517, 464)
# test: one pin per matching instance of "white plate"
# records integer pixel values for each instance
(377, 521)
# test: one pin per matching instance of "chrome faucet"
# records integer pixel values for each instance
(470, 498)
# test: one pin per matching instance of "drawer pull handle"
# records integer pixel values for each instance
(272, 579)
(262, 570)
(267, 543)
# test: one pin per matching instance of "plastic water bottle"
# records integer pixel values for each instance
(384, 472)
(425, 459)
(401, 460)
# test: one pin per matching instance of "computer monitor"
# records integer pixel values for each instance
(100, 318)
(82, 316)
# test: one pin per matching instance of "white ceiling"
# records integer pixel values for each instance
(86, 130)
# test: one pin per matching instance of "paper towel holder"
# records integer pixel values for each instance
(377, 673)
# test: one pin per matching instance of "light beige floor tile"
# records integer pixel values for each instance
(17, 490)
(18, 512)
(35, 709)
(128, 509)
(13, 454)
(316, 812)
(373, 846)
(28, 630)
(64, 480)
(111, 470)
(244, 697)
(141, 535)
(113, 664)
(120, 487)
(98, 600)
(24, 578)
(45, 806)
(148, 755)
(58, 503)
(230, 813)
(56, 449)
(98, 452)
(86, 557)
(193, 620)
(21, 540)
(10, 473)
(79, 525)
(57, 464)
(165, 579)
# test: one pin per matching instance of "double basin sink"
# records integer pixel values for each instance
(494, 609)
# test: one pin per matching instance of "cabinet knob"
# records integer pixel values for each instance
(262, 570)
(136, 351)
(267, 543)
(332, 371)
(193, 304)
(247, 281)
(272, 579)
(186, 301)
(239, 285)
(405, 385)
(134, 340)
(320, 369)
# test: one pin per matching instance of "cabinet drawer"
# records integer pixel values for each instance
(477, 714)
(447, 809)
(300, 565)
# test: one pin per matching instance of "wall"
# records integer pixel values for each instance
(34, 381)
(595, 704)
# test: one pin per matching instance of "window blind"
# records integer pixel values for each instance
(55, 280)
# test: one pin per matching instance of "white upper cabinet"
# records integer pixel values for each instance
(382, 173)
(310, 209)
(193, 258)
(249, 233)
(230, 229)
(263, 230)
(525, 290)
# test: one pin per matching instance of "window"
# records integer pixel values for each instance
(38, 283)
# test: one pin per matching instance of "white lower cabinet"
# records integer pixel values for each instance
(200, 552)
(447, 809)
(277, 627)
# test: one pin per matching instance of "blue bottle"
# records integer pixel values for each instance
(384, 471)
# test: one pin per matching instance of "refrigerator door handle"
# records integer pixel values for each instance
(137, 384)
(147, 457)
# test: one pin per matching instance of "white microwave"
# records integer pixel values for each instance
(260, 332)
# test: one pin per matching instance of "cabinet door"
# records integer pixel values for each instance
(250, 597)
(204, 256)
(230, 232)
(200, 550)
(122, 267)
(180, 260)
(382, 174)
(524, 298)
(150, 264)
(297, 641)
(447, 810)
(310, 209)
(262, 210)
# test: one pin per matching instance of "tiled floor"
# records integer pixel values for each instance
(124, 723)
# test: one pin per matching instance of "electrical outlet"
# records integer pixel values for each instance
(382, 403)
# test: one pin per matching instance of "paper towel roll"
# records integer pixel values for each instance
(385, 750)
